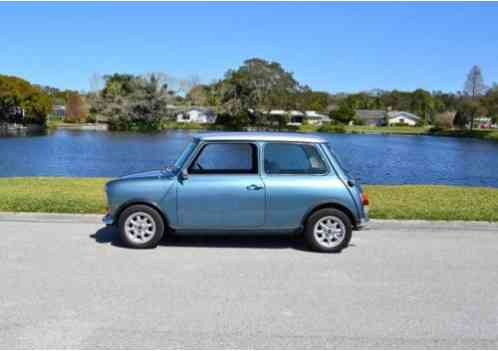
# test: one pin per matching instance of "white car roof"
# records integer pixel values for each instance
(261, 136)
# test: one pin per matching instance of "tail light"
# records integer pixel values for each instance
(364, 199)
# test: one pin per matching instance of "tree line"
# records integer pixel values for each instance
(242, 97)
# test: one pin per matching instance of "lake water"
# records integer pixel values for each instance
(374, 159)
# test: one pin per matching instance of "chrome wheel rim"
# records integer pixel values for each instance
(140, 227)
(329, 231)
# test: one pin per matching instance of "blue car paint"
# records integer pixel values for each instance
(261, 202)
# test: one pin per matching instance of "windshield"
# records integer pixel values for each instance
(182, 158)
(337, 159)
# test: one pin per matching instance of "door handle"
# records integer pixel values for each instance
(254, 187)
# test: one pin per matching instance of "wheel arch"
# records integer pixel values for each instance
(143, 202)
(334, 205)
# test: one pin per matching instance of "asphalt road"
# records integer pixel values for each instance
(69, 284)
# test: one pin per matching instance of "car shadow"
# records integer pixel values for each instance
(110, 235)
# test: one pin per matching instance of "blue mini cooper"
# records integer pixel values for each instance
(240, 183)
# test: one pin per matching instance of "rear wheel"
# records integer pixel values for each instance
(141, 227)
(328, 230)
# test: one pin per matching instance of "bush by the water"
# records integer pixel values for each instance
(134, 125)
(331, 128)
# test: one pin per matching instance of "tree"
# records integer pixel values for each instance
(201, 95)
(257, 85)
(312, 100)
(460, 119)
(444, 120)
(490, 102)
(344, 114)
(131, 102)
(20, 101)
(76, 111)
(474, 87)
(422, 104)
(467, 112)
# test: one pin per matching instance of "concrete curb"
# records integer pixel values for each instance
(34, 217)
(50, 217)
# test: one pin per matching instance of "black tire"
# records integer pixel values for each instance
(153, 215)
(337, 216)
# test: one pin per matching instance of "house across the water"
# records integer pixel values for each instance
(297, 118)
(371, 117)
(59, 111)
(402, 117)
(482, 122)
(198, 115)
(382, 118)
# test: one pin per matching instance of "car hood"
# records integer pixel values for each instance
(147, 174)
(144, 175)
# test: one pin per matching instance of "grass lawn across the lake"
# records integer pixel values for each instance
(432, 202)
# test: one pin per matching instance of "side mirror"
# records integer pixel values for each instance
(183, 174)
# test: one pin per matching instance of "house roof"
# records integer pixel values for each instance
(404, 114)
(370, 114)
(261, 136)
(282, 112)
(314, 114)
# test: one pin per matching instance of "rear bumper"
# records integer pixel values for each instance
(363, 223)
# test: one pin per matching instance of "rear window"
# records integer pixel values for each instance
(287, 158)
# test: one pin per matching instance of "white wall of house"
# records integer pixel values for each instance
(395, 117)
(196, 116)
(401, 119)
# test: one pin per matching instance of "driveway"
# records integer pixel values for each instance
(67, 283)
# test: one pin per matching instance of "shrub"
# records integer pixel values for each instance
(331, 128)
(134, 125)
(444, 120)
(76, 111)
(91, 118)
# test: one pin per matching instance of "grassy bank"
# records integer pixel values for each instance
(488, 134)
(86, 195)
(386, 130)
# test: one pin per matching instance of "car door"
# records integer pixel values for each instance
(295, 176)
(222, 188)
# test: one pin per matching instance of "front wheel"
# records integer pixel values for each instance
(141, 227)
(328, 230)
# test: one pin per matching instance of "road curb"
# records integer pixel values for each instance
(35, 217)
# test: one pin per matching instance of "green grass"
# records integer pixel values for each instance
(52, 194)
(386, 130)
(431, 202)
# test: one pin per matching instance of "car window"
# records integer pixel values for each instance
(282, 158)
(226, 158)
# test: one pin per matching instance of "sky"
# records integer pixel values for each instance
(334, 47)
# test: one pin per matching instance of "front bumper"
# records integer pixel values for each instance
(108, 219)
